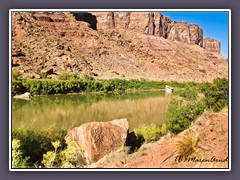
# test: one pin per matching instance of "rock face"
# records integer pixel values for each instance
(143, 22)
(165, 25)
(96, 139)
(187, 33)
(152, 23)
(212, 45)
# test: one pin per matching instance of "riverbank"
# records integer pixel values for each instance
(207, 136)
(75, 84)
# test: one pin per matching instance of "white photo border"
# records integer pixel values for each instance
(119, 10)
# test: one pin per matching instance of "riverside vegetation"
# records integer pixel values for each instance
(73, 83)
(47, 149)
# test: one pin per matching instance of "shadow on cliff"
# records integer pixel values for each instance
(86, 17)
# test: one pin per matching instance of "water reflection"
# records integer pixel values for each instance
(68, 111)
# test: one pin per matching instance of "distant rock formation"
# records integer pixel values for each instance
(212, 45)
(139, 21)
(154, 23)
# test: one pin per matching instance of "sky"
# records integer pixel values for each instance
(214, 24)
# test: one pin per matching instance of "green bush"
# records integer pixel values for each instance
(16, 82)
(36, 143)
(148, 132)
(16, 75)
(17, 87)
(17, 156)
(43, 75)
(216, 94)
(69, 76)
(164, 129)
(181, 115)
(189, 94)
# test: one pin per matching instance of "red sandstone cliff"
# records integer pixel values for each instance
(113, 45)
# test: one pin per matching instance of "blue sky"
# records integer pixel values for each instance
(214, 24)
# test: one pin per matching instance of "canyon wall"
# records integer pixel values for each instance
(154, 23)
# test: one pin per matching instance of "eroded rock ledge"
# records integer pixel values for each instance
(154, 23)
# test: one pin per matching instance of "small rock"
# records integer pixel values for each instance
(48, 71)
(25, 96)
(28, 75)
(37, 76)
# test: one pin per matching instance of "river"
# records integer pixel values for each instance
(68, 111)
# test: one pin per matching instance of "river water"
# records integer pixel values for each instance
(68, 111)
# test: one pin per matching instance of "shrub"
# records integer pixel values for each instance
(17, 87)
(37, 143)
(16, 82)
(186, 145)
(16, 75)
(69, 76)
(181, 115)
(43, 75)
(67, 158)
(164, 129)
(50, 157)
(87, 77)
(148, 132)
(189, 94)
(216, 94)
(17, 156)
(70, 157)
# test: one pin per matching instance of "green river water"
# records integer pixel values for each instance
(68, 111)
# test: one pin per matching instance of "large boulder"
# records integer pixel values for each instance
(96, 139)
